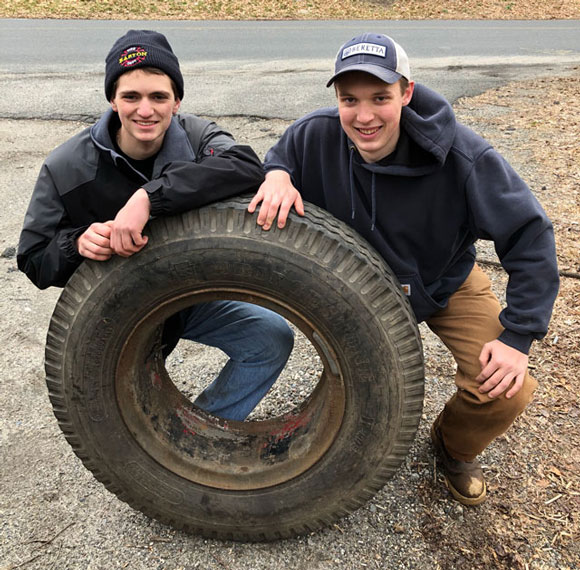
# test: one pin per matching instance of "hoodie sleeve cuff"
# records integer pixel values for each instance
(270, 167)
(518, 341)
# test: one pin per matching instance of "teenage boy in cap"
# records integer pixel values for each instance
(96, 192)
(393, 162)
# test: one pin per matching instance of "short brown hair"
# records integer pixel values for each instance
(404, 83)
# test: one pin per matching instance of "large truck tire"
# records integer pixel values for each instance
(256, 480)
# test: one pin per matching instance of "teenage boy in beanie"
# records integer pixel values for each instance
(96, 192)
(393, 162)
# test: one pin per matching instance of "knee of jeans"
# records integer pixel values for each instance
(273, 339)
(282, 336)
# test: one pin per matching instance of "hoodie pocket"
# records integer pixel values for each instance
(423, 304)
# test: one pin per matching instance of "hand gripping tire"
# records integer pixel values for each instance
(259, 480)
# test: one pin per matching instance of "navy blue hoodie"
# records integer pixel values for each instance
(424, 206)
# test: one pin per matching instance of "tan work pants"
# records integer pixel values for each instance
(471, 420)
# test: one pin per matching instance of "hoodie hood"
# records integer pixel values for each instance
(428, 128)
(430, 122)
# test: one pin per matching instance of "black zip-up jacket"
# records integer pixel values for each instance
(424, 206)
(85, 180)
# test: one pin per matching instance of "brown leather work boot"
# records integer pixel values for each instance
(464, 479)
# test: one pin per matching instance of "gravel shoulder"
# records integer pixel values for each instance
(53, 514)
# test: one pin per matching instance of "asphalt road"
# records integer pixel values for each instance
(43, 45)
(54, 68)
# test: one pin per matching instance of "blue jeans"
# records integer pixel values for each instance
(258, 343)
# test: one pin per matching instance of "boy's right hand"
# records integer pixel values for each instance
(94, 243)
(277, 195)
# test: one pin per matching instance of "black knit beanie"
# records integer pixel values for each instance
(141, 48)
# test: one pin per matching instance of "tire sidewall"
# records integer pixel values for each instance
(121, 294)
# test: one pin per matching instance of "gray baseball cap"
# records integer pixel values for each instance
(376, 54)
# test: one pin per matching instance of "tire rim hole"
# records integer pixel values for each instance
(276, 444)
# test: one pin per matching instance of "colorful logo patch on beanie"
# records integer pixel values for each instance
(132, 56)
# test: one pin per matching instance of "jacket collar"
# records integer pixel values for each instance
(176, 145)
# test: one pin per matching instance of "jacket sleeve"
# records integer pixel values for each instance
(222, 169)
(47, 251)
(503, 209)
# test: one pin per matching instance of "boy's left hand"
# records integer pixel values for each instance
(277, 195)
(126, 238)
(501, 367)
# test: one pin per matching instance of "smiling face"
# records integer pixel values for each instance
(370, 112)
(145, 103)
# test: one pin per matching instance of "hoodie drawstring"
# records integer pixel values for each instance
(373, 191)
(373, 202)
(351, 177)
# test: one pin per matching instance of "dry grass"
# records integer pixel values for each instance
(292, 9)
